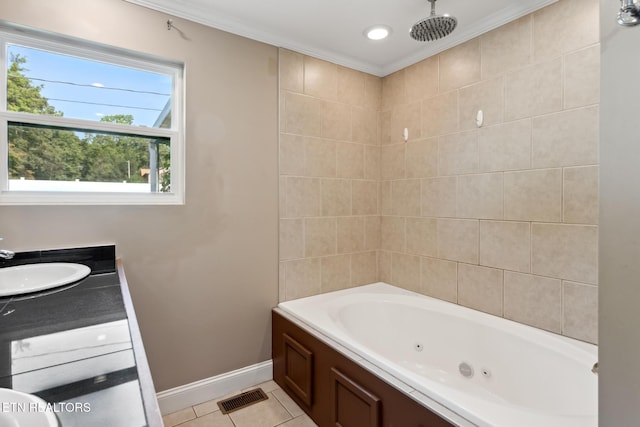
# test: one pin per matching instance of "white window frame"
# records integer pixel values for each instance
(13, 34)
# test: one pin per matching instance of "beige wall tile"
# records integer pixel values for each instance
(292, 155)
(460, 65)
(336, 197)
(350, 234)
(580, 201)
(480, 196)
(384, 266)
(302, 278)
(302, 197)
(534, 195)
(405, 271)
(422, 234)
(386, 201)
(487, 96)
(371, 162)
(406, 197)
(282, 197)
(364, 268)
(350, 160)
(405, 116)
(440, 279)
(422, 158)
(291, 70)
(582, 77)
(365, 197)
(421, 79)
(458, 153)
(291, 239)
(565, 251)
(569, 138)
(533, 90)
(350, 86)
(335, 272)
(373, 91)
(393, 90)
(336, 121)
(507, 47)
(533, 300)
(320, 78)
(440, 114)
(384, 127)
(565, 26)
(365, 125)
(320, 236)
(580, 311)
(439, 196)
(320, 157)
(505, 146)
(392, 233)
(392, 161)
(372, 233)
(480, 288)
(458, 240)
(506, 245)
(282, 110)
(302, 115)
(282, 289)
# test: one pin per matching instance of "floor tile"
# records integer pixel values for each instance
(268, 413)
(301, 421)
(215, 419)
(288, 403)
(206, 407)
(178, 417)
(266, 386)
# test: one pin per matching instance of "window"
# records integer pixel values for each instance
(82, 123)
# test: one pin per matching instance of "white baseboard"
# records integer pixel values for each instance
(181, 397)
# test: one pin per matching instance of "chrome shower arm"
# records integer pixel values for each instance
(629, 14)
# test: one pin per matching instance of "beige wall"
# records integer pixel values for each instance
(203, 276)
(619, 334)
(329, 176)
(501, 218)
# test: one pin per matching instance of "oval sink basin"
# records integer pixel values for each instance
(25, 410)
(23, 279)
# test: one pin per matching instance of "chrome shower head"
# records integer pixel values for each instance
(433, 27)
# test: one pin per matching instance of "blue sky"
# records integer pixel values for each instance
(99, 77)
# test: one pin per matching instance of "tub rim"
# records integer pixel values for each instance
(357, 351)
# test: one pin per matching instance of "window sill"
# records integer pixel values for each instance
(51, 198)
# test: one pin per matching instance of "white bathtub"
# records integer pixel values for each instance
(522, 376)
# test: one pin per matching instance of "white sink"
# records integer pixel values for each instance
(23, 279)
(25, 410)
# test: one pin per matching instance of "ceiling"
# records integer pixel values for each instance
(334, 29)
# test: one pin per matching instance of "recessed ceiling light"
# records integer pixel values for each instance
(377, 32)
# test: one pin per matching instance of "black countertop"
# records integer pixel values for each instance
(73, 346)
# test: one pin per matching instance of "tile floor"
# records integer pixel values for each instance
(278, 410)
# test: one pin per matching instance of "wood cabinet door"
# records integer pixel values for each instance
(353, 405)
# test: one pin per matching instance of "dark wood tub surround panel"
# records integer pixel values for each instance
(334, 390)
(298, 369)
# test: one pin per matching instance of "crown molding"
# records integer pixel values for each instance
(231, 25)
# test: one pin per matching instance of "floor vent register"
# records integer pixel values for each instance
(242, 400)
